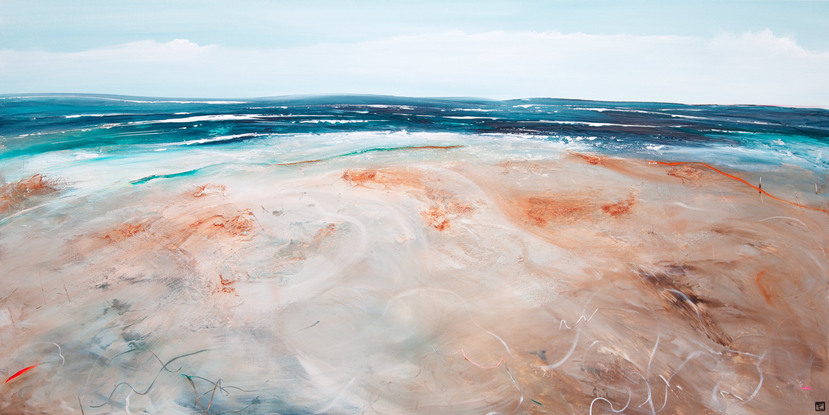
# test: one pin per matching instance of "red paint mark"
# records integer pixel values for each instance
(685, 172)
(437, 218)
(359, 176)
(239, 225)
(386, 177)
(429, 147)
(480, 366)
(298, 162)
(209, 189)
(762, 289)
(13, 193)
(591, 159)
(742, 181)
(806, 388)
(125, 231)
(325, 232)
(545, 209)
(226, 286)
(619, 208)
(20, 373)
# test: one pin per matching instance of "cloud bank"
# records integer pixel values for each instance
(750, 68)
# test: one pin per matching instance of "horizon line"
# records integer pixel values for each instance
(241, 100)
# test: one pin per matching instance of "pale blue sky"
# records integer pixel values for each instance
(77, 25)
(470, 48)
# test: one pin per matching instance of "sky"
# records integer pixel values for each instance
(705, 51)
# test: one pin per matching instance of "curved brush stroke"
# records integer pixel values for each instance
(22, 371)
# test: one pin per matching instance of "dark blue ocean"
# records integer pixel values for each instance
(743, 136)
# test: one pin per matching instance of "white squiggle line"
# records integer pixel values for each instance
(127, 403)
(753, 395)
(587, 319)
(653, 353)
(567, 356)
(581, 318)
(723, 393)
(60, 352)
(514, 383)
(649, 401)
(756, 390)
(493, 335)
(610, 403)
(665, 401)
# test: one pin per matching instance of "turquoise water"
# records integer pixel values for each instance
(116, 126)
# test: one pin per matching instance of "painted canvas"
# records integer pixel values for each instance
(630, 215)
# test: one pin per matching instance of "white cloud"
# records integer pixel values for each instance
(176, 51)
(758, 68)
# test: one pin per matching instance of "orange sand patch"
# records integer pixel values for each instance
(762, 288)
(12, 194)
(591, 159)
(385, 177)
(685, 173)
(325, 232)
(443, 207)
(238, 225)
(226, 285)
(359, 176)
(541, 210)
(620, 208)
(209, 189)
(436, 218)
(125, 231)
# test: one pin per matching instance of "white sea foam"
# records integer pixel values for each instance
(469, 117)
(215, 139)
(180, 102)
(592, 124)
(402, 107)
(333, 121)
(94, 115)
(200, 118)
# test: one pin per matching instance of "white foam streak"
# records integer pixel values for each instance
(214, 139)
(200, 118)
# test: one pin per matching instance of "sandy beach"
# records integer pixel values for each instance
(421, 280)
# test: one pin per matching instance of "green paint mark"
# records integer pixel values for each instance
(164, 176)
(537, 402)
